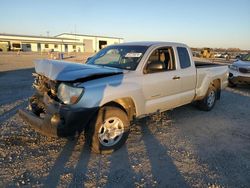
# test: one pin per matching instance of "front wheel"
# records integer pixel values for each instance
(108, 131)
(208, 102)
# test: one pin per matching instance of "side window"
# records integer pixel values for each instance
(161, 59)
(183, 57)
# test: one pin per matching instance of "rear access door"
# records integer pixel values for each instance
(187, 76)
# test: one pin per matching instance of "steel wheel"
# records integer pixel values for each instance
(108, 131)
(211, 98)
(208, 102)
(111, 131)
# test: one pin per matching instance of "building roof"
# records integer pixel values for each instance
(88, 35)
(33, 36)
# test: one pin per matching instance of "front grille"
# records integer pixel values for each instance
(244, 70)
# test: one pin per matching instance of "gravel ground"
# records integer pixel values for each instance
(184, 147)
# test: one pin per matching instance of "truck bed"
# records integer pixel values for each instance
(202, 64)
(207, 72)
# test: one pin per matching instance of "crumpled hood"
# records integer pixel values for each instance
(239, 63)
(68, 71)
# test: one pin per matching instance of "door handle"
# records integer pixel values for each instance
(176, 78)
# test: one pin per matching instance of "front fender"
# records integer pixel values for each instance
(102, 91)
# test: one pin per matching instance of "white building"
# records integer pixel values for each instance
(92, 43)
(62, 43)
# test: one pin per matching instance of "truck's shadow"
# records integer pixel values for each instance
(163, 168)
(121, 172)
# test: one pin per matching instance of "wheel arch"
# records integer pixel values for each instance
(217, 84)
(126, 104)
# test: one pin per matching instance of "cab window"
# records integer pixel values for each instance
(184, 57)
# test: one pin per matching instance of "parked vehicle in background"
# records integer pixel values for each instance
(239, 71)
(225, 55)
(118, 84)
(217, 55)
(240, 56)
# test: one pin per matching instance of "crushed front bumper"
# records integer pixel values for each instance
(58, 120)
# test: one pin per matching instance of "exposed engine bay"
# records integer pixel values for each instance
(43, 86)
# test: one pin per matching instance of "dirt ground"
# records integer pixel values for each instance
(184, 147)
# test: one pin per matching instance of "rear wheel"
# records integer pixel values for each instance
(209, 101)
(108, 131)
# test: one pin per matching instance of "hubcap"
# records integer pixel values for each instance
(111, 131)
(211, 98)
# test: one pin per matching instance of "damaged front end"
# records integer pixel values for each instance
(48, 115)
(51, 109)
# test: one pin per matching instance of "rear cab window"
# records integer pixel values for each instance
(184, 57)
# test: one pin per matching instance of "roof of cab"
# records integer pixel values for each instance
(151, 43)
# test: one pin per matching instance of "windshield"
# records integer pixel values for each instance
(123, 57)
(246, 57)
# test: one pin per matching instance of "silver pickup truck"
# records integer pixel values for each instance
(118, 84)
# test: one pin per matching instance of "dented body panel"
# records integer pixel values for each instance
(66, 71)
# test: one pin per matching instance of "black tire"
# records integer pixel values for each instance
(96, 128)
(231, 84)
(209, 101)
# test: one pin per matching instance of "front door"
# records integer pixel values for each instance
(161, 86)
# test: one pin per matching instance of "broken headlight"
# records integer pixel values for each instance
(68, 94)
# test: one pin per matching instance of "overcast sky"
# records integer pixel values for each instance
(214, 23)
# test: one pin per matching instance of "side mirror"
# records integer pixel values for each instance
(155, 66)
